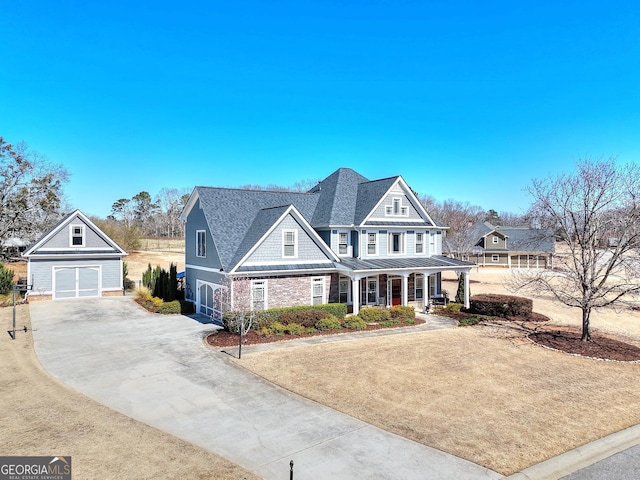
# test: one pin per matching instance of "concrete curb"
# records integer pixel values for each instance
(581, 457)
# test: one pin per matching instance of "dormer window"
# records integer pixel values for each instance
(495, 240)
(77, 235)
(289, 243)
(396, 209)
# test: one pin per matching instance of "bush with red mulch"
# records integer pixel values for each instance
(224, 338)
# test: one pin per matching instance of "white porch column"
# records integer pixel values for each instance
(425, 292)
(405, 289)
(355, 294)
(466, 288)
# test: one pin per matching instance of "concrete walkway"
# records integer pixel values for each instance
(157, 369)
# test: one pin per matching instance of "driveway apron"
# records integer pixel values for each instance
(157, 369)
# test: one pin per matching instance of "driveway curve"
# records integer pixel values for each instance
(157, 369)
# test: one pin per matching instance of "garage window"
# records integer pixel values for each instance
(77, 235)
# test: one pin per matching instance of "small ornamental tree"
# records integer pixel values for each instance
(6, 280)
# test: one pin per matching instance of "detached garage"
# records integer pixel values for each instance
(74, 259)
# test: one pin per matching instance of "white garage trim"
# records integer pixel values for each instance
(76, 281)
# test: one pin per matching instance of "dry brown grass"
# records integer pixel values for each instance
(40, 416)
(483, 393)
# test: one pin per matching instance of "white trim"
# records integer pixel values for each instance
(402, 243)
(366, 244)
(265, 298)
(321, 281)
(202, 269)
(311, 232)
(82, 235)
(198, 232)
(77, 214)
(77, 279)
(285, 233)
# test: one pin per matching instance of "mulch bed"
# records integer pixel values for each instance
(564, 339)
(602, 347)
(223, 338)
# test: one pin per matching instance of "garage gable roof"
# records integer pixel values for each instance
(74, 235)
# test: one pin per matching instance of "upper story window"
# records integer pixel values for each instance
(495, 240)
(432, 242)
(396, 243)
(201, 243)
(77, 236)
(396, 209)
(419, 242)
(289, 243)
(343, 243)
(372, 243)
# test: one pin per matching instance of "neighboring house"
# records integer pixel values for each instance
(347, 240)
(508, 247)
(74, 259)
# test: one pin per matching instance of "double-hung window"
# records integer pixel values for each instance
(289, 243)
(317, 291)
(201, 243)
(259, 295)
(343, 243)
(419, 242)
(372, 243)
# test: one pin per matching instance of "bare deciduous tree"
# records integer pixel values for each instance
(596, 212)
(30, 192)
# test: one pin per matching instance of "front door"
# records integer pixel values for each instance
(396, 291)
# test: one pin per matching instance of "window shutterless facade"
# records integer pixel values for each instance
(201, 243)
(289, 243)
(343, 243)
(419, 243)
(258, 294)
(77, 236)
(372, 243)
(419, 290)
(317, 291)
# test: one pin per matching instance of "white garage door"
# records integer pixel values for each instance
(72, 282)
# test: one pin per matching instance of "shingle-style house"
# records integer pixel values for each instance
(347, 240)
(74, 259)
(508, 247)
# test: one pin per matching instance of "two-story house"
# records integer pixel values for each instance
(347, 240)
(507, 246)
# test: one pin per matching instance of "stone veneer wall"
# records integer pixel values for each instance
(294, 291)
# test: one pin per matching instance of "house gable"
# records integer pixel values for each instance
(279, 237)
(395, 203)
(75, 235)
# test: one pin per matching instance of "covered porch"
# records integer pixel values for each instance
(407, 281)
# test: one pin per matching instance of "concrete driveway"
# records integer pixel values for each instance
(157, 369)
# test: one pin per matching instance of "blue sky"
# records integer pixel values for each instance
(465, 100)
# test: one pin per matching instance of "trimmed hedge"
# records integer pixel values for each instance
(403, 311)
(500, 305)
(374, 314)
(305, 315)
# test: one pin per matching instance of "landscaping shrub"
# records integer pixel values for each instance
(329, 323)
(278, 328)
(295, 329)
(170, 307)
(354, 322)
(306, 317)
(402, 311)
(231, 320)
(374, 314)
(500, 305)
(6, 280)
